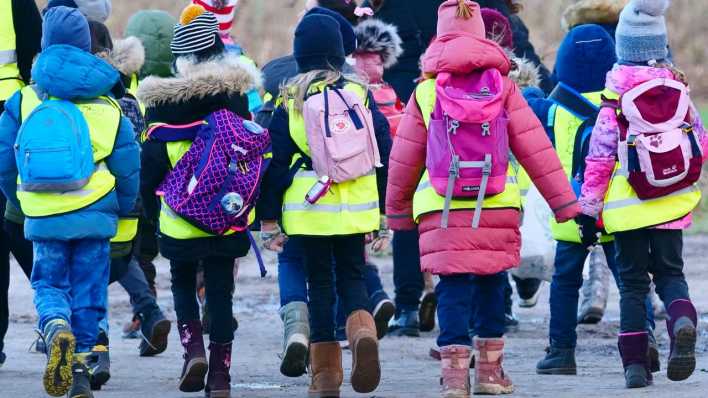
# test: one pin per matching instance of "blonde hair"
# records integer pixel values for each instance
(678, 73)
(296, 88)
(463, 10)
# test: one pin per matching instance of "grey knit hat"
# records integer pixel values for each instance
(95, 10)
(641, 32)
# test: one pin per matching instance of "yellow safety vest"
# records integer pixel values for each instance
(10, 79)
(132, 89)
(103, 118)
(426, 200)
(350, 207)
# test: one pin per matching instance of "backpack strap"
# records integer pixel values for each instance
(573, 101)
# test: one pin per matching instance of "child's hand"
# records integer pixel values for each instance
(272, 236)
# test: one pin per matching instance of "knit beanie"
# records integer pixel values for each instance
(65, 25)
(101, 40)
(460, 16)
(585, 56)
(57, 3)
(224, 10)
(93, 10)
(345, 28)
(498, 27)
(641, 32)
(196, 31)
(318, 44)
(154, 29)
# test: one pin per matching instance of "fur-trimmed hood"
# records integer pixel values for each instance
(525, 73)
(128, 55)
(601, 12)
(226, 74)
(376, 36)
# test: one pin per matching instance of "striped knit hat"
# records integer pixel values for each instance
(196, 31)
(224, 10)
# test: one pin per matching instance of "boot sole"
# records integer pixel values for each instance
(193, 379)
(455, 394)
(366, 369)
(492, 389)
(218, 394)
(58, 376)
(557, 371)
(294, 363)
(382, 316)
(682, 362)
(426, 313)
(157, 344)
(324, 394)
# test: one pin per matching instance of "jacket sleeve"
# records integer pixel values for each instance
(9, 125)
(600, 162)
(28, 29)
(383, 140)
(405, 168)
(124, 164)
(154, 167)
(524, 49)
(276, 179)
(532, 148)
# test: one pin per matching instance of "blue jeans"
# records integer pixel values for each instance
(467, 297)
(565, 291)
(407, 276)
(70, 279)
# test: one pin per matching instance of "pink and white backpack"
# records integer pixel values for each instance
(657, 147)
(340, 135)
(468, 141)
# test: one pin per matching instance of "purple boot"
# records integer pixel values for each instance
(195, 362)
(219, 380)
(634, 348)
(681, 325)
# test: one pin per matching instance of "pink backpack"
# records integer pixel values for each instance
(468, 143)
(389, 104)
(340, 135)
(657, 145)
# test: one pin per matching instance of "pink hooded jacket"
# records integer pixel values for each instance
(495, 245)
(601, 159)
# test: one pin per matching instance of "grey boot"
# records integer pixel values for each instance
(595, 289)
(296, 339)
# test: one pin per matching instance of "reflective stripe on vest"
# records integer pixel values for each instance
(103, 118)
(426, 200)
(351, 207)
(127, 230)
(10, 80)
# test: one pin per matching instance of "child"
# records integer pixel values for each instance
(208, 79)
(470, 261)
(70, 230)
(648, 233)
(333, 222)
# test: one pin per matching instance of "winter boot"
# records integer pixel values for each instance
(595, 289)
(60, 344)
(654, 363)
(406, 324)
(81, 385)
(155, 330)
(366, 369)
(219, 379)
(489, 376)
(633, 348)
(427, 310)
(558, 361)
(434, 353)
(99, 362)
(528, 290)
(296, 338)
(195, 362)
(325, 370)
(681, 325)
(383, 310)
(455, 379)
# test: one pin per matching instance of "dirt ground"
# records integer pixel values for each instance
(407, 369)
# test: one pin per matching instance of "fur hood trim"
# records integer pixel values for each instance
(592, 11)
(375, 36)
(525, 73)
(128, 55)
(226, 74)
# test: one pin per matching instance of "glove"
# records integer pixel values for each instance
(589, 232)
(272, 236)
(381, 240)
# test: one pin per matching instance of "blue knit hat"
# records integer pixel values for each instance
(318, 44)
(585, 56)
(641, 32)
(348, 35)
(65, 25)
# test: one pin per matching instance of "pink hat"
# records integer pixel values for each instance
(460, 16)
(498, 28)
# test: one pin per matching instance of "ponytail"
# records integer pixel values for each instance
(463, 10)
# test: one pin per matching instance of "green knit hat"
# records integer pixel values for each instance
(154, 28)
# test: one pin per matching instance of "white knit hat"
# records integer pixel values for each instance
(641, 32)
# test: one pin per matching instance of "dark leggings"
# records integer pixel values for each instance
(219, 282)
(11, 241)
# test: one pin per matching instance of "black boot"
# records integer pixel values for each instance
(682, 331)
(155, 330)
(81, 387)
(633, 349)
(99, 362)
(558, 361)
(406, 324)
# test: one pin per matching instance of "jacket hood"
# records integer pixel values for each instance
(524, 73)
(601, 12)
(375, 36)
(69, 73)
(464, 53)
(128, 55)
(584, 57)
(226, 74)
(623, 78)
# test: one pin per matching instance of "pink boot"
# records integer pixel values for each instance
(455, 378)
(195, 362)
(489, 376)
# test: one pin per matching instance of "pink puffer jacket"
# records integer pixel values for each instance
(494, 247)
(602, 157)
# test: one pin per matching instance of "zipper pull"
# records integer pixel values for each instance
(486, 129)
(453, 126)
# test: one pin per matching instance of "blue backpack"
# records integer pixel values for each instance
(53, 149)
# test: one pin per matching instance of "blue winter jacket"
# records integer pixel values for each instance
(70, 73)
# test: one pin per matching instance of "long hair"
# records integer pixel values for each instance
(678, 73)
(296, 88)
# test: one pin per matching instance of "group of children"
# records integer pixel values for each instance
(151, 143)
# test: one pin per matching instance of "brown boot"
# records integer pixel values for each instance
(366, 369)
(489, 377)
(195, 362)
(455, 380)
(219, 380)
(326, 370)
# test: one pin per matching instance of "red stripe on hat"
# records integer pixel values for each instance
(222, 11)
(225, 26)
